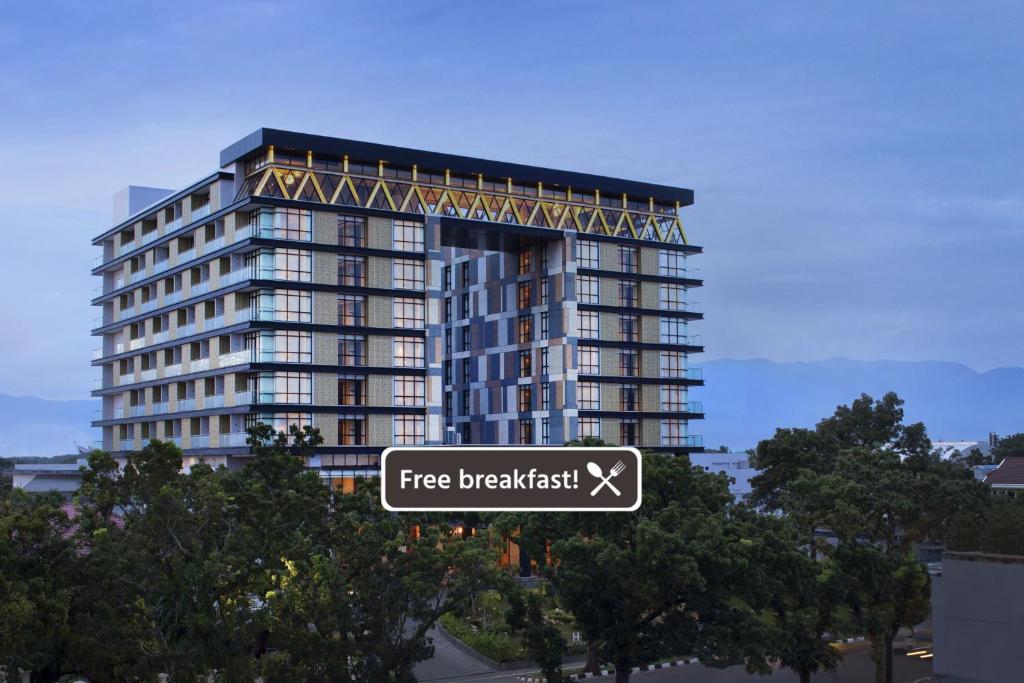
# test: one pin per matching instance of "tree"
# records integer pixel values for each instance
(994, 529)
(1009, 447)
(543, 642)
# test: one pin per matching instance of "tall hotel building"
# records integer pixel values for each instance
(393, 296)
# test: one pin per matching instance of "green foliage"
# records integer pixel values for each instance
(499, 645)
(994, 529)
(1009, 447)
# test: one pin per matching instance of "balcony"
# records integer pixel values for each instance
(161, 337)
(147, 375)
(186, 330)
(186, 404)
(136, 344)
(123, 249)
(136, 276)
(127, 445)
(174, 225)
(98, 261)
(172, 370)
(186, 256)
(244, 398)
(150, 236)
(161, 266)
(235, 358)
(200, 441)
(200, 288)
(695, 373)
(214, 323)
(243, 315)
(200, 213)
(199, 365)
(234, 276)
(136, 411)
(161, 408)
(176, 440)
(97, 354)
(172, 298)
(147, 306)
(213, 401)
(213, 245)
(244, 233)
(232, 440)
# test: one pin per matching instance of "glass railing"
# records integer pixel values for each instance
(694, 373)
(232, 440)
(186, 404)
(174, 225)
(176, 440)
(187, 255)
(172, 370)
(235, 276)
(161, 266)
(213, 245)
(200, 441)
(136, 276)
(150, 236)
(244, 397)
(199, 365)
(127, 444)
(136, 411)
(200, 288)
(136, 344)
(235, 358)
(213, 401)
(213, 323)
(161, 408)
(161, 337)
(201, 213)
(147, 375)
(97, 354)
(186, 330)
(172, 298)
(147, 306)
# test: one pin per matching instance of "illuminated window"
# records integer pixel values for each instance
(525, 398)
(524, 294)
(588, 324)
(407, 274)
(525, 363)
(588, 254)
(526, 431)
(525, 328)
(590, 427)
(410, 430)
(525, 261)
(589, 395)
(408, 236)
(409, 391)
(351, 309)
(590, 360)
(587, 289)
(352, 350)
(408, 313)
(352, 390)
(408, 352)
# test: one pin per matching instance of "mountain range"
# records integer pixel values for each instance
(744, 401)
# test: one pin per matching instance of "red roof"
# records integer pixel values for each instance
(1009, 473)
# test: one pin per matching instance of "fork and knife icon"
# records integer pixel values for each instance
(596, 471)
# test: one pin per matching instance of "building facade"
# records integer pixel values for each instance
(390, 296)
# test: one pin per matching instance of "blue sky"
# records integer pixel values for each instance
(857, 166)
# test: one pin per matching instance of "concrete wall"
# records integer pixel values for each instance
(978, 616)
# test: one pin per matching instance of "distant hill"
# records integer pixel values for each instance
(745, 400)
(39, 427)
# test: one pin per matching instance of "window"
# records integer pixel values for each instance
(295, 265)
(588, 254)
(464, 269)
(590, 360)
(525, 328)
(288, 305)
(352, 390)
(590, 427)
(352, 430)
(448, 341)
(524, 294)
(629, 328)
(447, 309)
(409, 391)
(280, 422)
(628, 290)
(525, 363)
(587, 324)
(286, 346)
(465, 402)
(351, 309)
(352, 349)
(446, 276)
(544, 325)
(526, 431)
(525, 261)
(545, 366)
(672, 297)
(284, 224)
(545, 396)
(466, 337)
(543, 258)
(629, 362)
(673, 432)
(673, 364)
(352, 231)
(629, 397)
(629, 259)
(410, 430)
(466, 365)
(672, 263)
(587, 291)
(673, 331)
(464, 306)
(286, 387)
(525, 398)
(352, 270)
(673, 398)
(408, 236)
(544, 284)
(628, 432)
(448, 372)
(408, 313)
(408, 352)
(590, 396)
(545, 430)
(407, 274)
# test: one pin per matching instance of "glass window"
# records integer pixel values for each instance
(629, 362)
(288, 305)
(590, 360)
(408, 236)
(673, 398)
(628, 432)
(587, 291)
(629, 259)
(464, 269)
(590, 426)
(352, 390)
(673, 331)
(352, 430)
(588, 254)
(629, 328)
(545, 366)
(351, 270)
(672, 263)
(526, 431)
(408, 352)
(524, 294)
(352, 350)
(281, 422)
(284, 224)
(590, 395)
(525, 261)
(464, 306)
(409, 391)
(588, 324)
(673, 432)
(407, 274)
(525, 363)
(466, 365)
(629, 397)
(628, 290)
(352, 231)
(286, 387)
(672, 297)
(525, 397)
(545, 430)
(525, 328)
(447, 277)
(286, 346)
(351, 309)
(544, 284)
(545, 396)
(673, 364)
(408, 313)
(286, 264)
(410, 430)
(545, 327)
